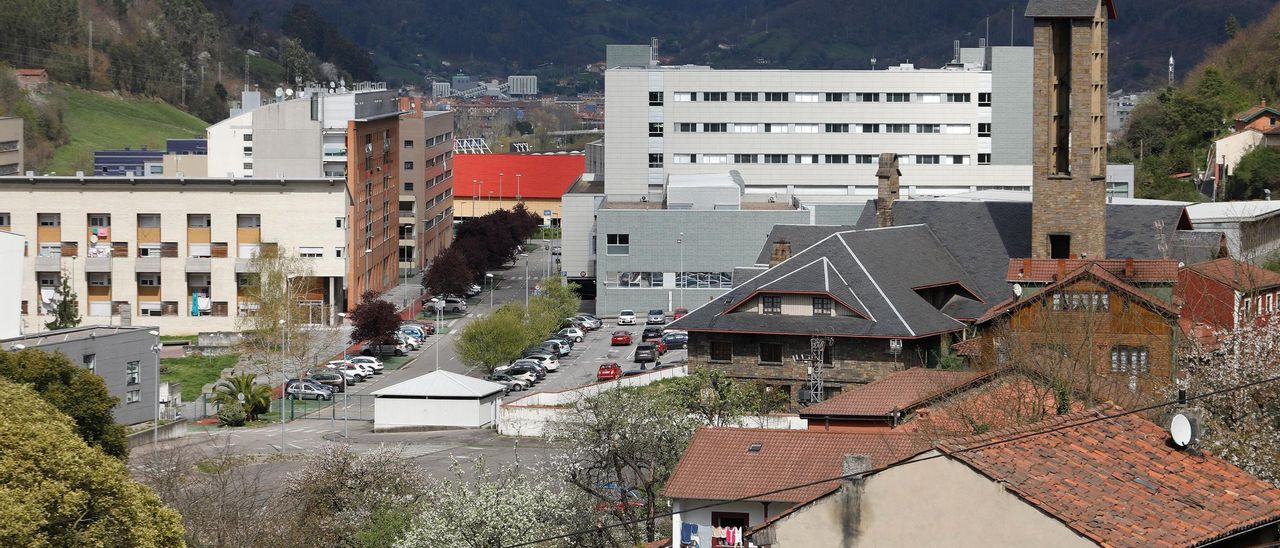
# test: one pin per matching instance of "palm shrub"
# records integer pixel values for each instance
(257, 397)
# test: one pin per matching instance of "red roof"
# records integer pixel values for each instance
(1049, 270)
(1237, 275)
(31, 72)
(719, 463)
(898, 391)
(1119, 482)
(540, 175)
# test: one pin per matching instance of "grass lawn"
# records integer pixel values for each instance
(193, 372)
(98, 121)
(394, 362)
(175, 338)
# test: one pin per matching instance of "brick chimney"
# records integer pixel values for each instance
(887, 188)
(781, 252)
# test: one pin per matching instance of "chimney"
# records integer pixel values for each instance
(1062, 270)
(781, 252)
(887, 188)
(1128, 268)
(851, 493)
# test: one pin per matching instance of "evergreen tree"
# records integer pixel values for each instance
(67, 312)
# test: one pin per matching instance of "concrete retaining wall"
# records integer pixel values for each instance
(171, 431)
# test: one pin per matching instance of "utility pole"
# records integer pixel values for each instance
(90, 74)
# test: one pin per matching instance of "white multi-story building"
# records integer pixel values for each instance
(10, 281)
(174, 251)
(820, 132)
(522, 85)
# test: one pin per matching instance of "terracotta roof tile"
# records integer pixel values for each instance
(901, 390)
(1099, 271)
(1049, 270)
(718, 464)
(1238, 275)
(1119, 483)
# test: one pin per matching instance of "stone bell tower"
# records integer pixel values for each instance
(1069, 128)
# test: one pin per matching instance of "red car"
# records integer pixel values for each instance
(621, 338)
(680, 313)
(608, 371)
(657, 343)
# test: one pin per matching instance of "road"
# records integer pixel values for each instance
(435, 451)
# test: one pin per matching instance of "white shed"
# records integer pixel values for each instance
(439, 398)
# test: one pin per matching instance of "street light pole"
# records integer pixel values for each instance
(492, 287)
(500, 190)
(682, 273)
(526, 281)
(548, 246)
(519, 197)
(155, 426)
(284, 385)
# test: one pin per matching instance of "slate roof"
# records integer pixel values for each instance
(800, 237)
(1238, 275)
(873, 272)
(983, 236)
(1067, 8)
(1119, 483)
(441, 384)
(718, 464)
(899, 391)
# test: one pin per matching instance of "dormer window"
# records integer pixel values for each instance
(771, 304)
(822, 306)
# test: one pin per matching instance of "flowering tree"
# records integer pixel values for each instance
(1240, 425)
(488, 508)
(340, 491)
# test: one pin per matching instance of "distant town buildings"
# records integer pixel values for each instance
(173, 161)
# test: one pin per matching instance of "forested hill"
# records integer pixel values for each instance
(497, 37)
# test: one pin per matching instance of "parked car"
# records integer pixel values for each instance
(335, 380)
(542, 366)
(345, 365)
(627, 317)
(418, 331)
(547, 360)
(620, 338)
(385, 349)
(573, 333)
(307, 390)
(450, 304)
(676, 339)
(371, 361)
(515, 370)
(513, 384)
(657, 316)
(646, 352)
(590, 322)
(474, 289)
(350, 377)
(528, 376)
(679, 312)
(557, 347)
(562, 339)
(574, 322)
(410, 342)
(608, 371)
(651, 333)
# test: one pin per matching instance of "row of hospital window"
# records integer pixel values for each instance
(682, 280)
(656, 97)
(656, 161)
(656, 129)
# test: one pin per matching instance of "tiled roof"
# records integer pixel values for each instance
(1068, 8)
(1253, 112)
(718, 464)
(900, 391)
(1049, 270)
(1094, 270)
(1009, 399)
(1239, 275)
(541, 175)
(875, 272)
(1119, 483)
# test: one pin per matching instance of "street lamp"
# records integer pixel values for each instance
(346, 398)
(499, 190)
(680, 242)
(284, 386)
(155, 425)
(439, 305)
(547, 243)
(526, 281)
(488, 277)
(519, 197)
(367, 251)
(475, 195)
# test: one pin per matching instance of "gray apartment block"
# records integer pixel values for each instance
(643, 274)
(11, 148)
(122, 356)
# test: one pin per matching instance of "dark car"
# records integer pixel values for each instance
(676, 340)
(531, 363)
(646, 352)
(333, 379)
(651, 333)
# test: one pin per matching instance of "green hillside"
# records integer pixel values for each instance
(97, 121)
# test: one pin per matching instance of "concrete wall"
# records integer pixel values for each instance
(404, 413)
(714, 241)
(226, 146)
(112, 350)
(188, 165)
(530, 415)
(10, 285)
(286, 141)
(1011, 106)
(578, 224)
(294, 215)
(172, 431)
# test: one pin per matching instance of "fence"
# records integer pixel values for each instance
(529, 416)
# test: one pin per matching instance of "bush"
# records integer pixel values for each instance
(231, 414)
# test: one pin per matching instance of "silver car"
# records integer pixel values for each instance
(657, 316)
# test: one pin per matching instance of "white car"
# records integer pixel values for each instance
(547, 360)
(409, 341)
(627, 317)
(526, 376)
(572, 332)
(345, 365)
(371, 361)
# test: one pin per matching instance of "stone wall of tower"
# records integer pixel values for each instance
(1071, 202)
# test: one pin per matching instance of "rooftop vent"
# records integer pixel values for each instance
(755, 448)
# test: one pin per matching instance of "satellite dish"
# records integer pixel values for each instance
(1180, 429)
(1017, 290)
(289, 92)
(279, 92)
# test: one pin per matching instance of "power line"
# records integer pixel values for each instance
(864, 473)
